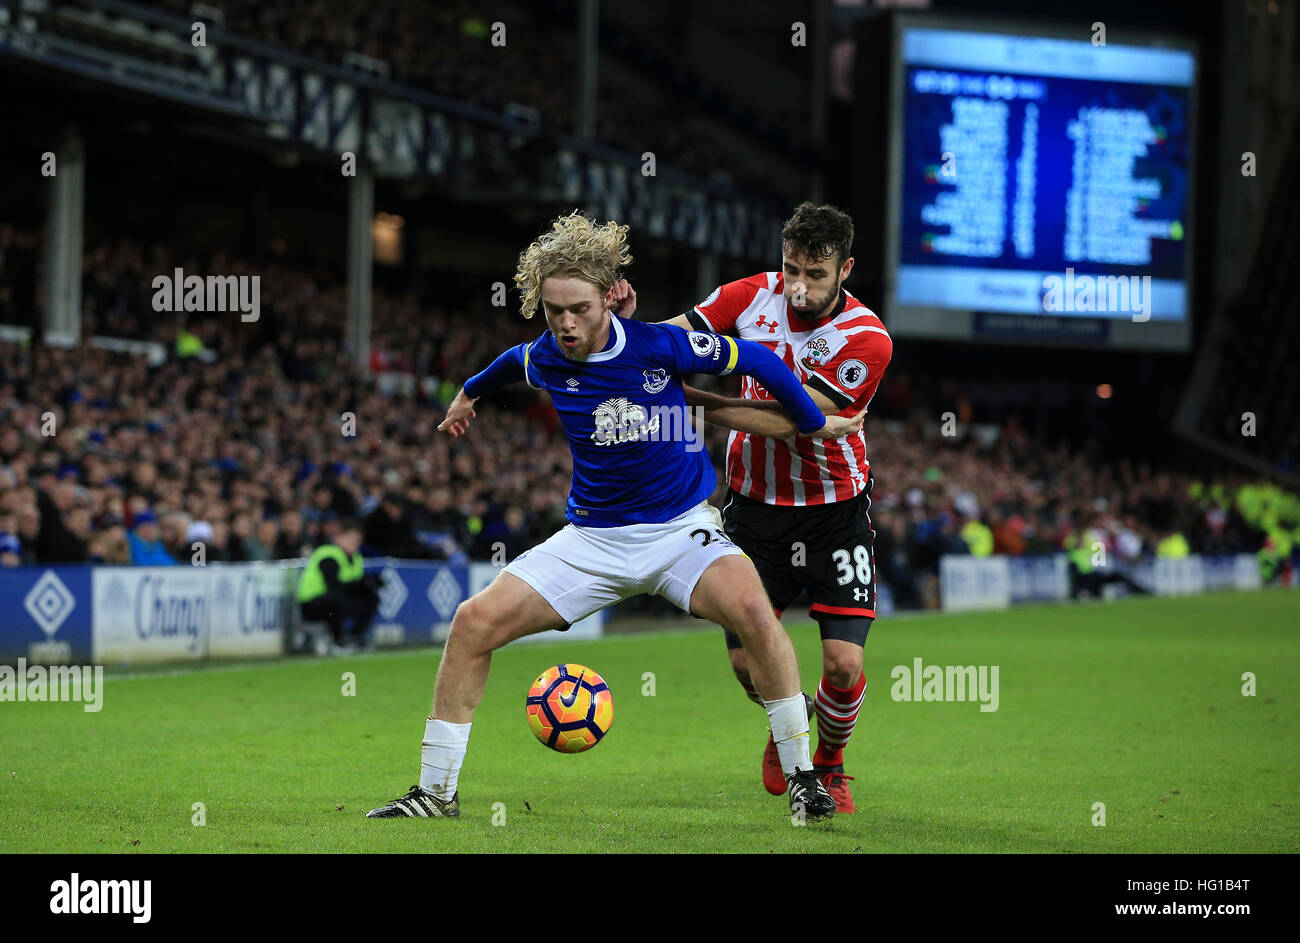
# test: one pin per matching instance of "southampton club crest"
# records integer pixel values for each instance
(817, 353)
(655, 380)
(618, 421)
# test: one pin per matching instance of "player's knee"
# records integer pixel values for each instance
(841, 670)
(753, 616)
(465, 616)
(471, 625)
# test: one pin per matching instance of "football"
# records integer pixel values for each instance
(570, 708)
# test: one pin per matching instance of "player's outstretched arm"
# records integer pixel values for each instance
(459, 413)
(776, 424)
(510, 367)
(706, 400)
(701, 352)
(767, 368)
(765, 417)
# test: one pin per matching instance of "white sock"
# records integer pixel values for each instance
(789, 717)
(442, 751)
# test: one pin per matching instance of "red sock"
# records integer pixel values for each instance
(837, 712)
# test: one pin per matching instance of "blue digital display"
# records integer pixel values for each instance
(1044, 176)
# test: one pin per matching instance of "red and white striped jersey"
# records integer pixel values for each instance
(842, 356)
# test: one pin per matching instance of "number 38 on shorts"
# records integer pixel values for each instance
(854, 566)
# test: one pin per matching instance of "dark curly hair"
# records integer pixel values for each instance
(819, 232)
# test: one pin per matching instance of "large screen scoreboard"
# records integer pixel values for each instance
(1040, 186)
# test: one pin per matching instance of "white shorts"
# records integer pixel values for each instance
(579, 570)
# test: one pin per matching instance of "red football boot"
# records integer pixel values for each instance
(837, 784)
(773, 779)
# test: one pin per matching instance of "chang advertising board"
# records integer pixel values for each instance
(151, 613)
(250, 608)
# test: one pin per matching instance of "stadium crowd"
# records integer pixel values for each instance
(251, 439)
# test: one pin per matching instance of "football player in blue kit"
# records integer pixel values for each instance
(639, 518)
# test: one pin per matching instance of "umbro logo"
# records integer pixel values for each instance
(571, 383)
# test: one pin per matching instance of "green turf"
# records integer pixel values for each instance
(1136, 704)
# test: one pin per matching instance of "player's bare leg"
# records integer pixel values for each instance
(731, 594)
(839, 699)
(506, 610)
(773, 774)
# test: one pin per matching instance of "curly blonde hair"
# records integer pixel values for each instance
(575, 247)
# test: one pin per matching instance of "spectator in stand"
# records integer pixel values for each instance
(145, 542)
(244, 544)
(291, 543)
(56, 543)
(29, 532)
(11, 547)
(175, 531)
(109, 546)
(268, 535)
(389, 533)
(890, 550)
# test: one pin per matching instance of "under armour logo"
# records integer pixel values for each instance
(764, 322)
(861, 595)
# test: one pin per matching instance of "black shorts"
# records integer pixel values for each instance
(824, 549)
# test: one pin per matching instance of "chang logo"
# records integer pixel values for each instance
(161, 613)
(618, 421)
(258, 612)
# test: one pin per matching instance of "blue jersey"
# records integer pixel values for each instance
(636, 459)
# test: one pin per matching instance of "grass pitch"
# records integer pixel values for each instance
(1136, 704)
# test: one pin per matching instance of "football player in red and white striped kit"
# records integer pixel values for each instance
(798, 506)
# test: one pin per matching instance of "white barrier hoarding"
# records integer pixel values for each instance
(1245, 574)
(250, 608)
(1039, 578)
(1178, 576)
(179, 613)
(155, 613)
(974, 583)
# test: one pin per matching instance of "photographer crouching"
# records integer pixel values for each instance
(335, 589)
